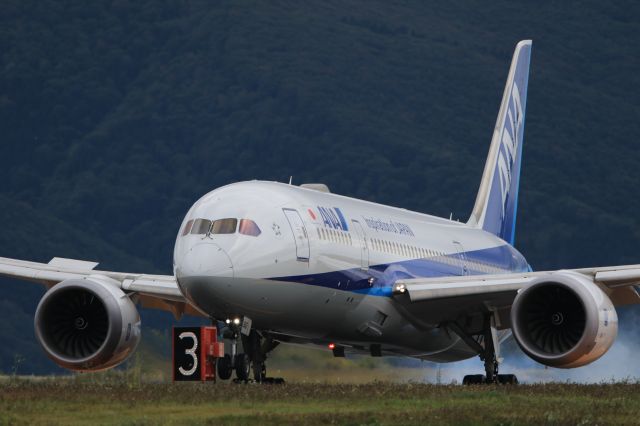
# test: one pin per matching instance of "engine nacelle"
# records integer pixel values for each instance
(87, 324)
(564, 320)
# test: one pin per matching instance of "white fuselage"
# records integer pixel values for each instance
(314, 267)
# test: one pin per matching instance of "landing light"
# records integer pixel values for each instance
(400, 288)
(236, 321)
(228, 321)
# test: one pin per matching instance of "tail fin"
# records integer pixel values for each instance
(497, 200)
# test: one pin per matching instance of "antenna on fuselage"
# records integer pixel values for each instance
(290, 179)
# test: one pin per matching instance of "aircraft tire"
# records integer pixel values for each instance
(473, 379)
(225, 367)
(507, 379)
(259, 372)
(243, 366)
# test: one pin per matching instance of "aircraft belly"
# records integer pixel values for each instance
(321, 314)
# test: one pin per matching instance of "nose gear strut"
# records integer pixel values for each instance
(257, 347)
(253, 358)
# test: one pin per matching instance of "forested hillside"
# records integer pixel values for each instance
(116, 116)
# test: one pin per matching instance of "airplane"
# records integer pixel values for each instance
(279, 263)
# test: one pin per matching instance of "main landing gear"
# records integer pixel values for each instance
(488, 347)
(252, 360)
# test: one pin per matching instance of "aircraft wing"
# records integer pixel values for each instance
(433, 301)
(151, 291)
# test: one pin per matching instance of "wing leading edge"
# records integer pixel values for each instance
(432, 301)
(151, 291)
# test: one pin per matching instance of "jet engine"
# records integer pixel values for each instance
(564, 320)
(87, 324)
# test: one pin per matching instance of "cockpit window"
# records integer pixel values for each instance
(187, 227)
(249, 227)
(221, 226)
(224, 226)
(200, 226)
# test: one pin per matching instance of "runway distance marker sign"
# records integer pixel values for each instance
(195, 351)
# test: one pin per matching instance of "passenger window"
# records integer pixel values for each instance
(187, 227)
(200, 226)
(249, 227)
(224, 226)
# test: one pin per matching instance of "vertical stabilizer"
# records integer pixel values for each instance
(497, 201)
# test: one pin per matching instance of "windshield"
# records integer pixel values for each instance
(200, 226)
(224, 226)
(221, 226)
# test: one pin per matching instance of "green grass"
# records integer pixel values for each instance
(69, 401)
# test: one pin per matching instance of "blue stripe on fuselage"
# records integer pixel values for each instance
(495, 260)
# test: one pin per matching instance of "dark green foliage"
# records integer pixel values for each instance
(116, 116)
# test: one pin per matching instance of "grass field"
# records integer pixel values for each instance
(72, 401)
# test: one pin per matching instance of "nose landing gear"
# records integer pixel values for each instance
(251, 360)
(257, 347)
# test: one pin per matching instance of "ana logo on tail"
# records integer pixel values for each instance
(497, 200)
(509, 144)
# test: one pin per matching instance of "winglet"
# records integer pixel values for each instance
(497, 200)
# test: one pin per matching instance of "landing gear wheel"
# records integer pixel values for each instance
(225, 367)
(259, 372)
(473, 379)
(243, 366)
(507, 379)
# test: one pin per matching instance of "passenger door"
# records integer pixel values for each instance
(463, 260)
(364, 249)
(300, 235)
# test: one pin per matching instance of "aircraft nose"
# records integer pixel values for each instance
(205, 260)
